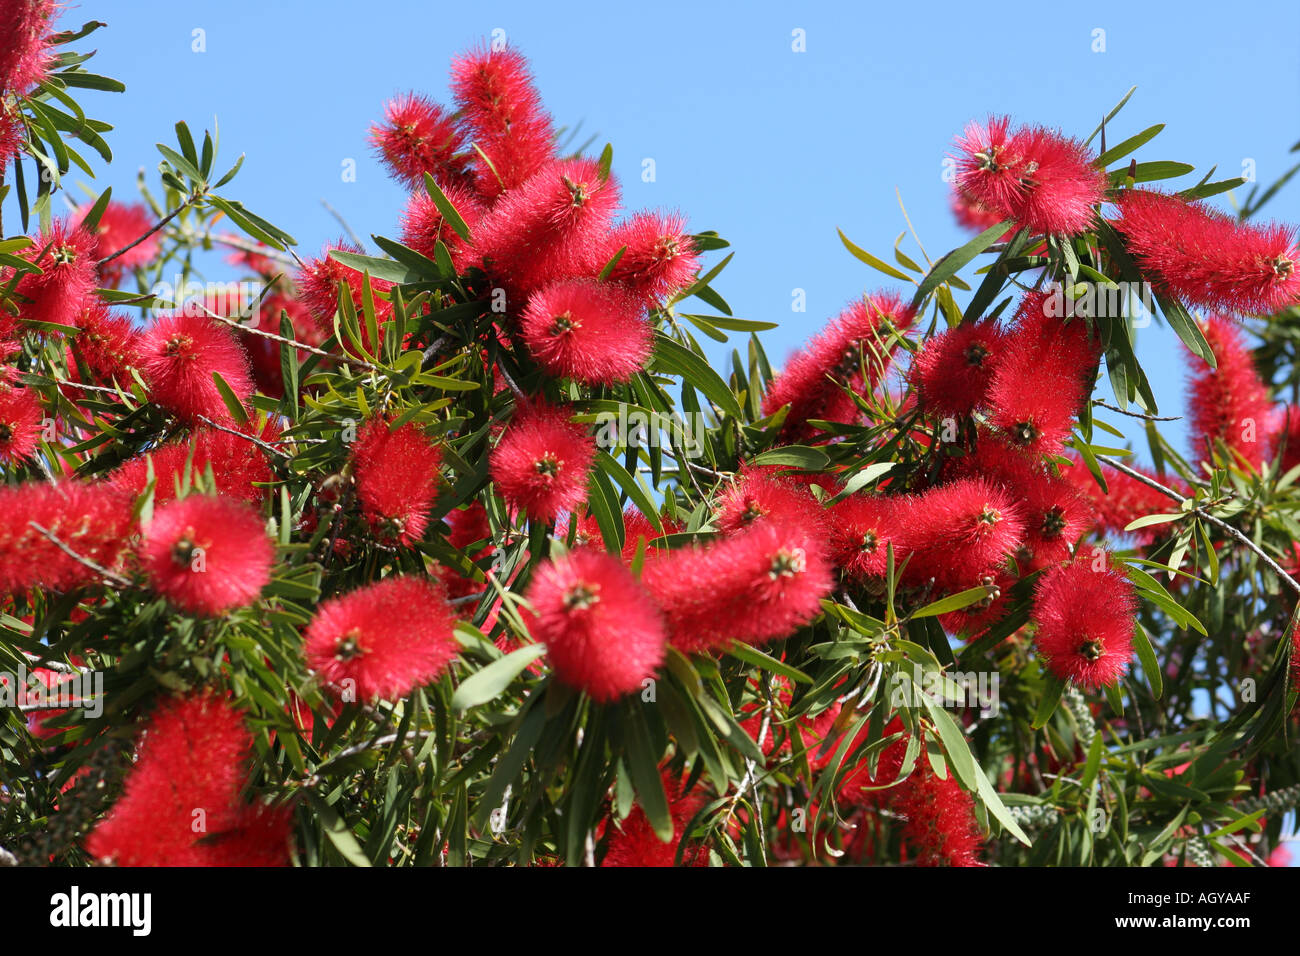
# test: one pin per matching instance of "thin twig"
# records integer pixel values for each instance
(1223, 526)
(340, 356)
(1142, 415)
(88, 562)
(193, 198)
(265, 446)
(237, 242)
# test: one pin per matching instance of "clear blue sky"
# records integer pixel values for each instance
(772, 148)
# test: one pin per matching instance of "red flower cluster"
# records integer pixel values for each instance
(396, 471)
(91, 519)
(1084, 614)
(540, 464)
(183, 803)
(1230, 403)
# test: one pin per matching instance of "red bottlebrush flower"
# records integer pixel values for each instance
(635, 843)
(765, 493)
(593, 332)
(954, 369)
(383, 640)
(25, 47)
(1054, 511)
(837, 356)
(239, 467)
(549, 228)
(177, 357)
(121, 224)
(12, 132)
(467, 526)
(397, 479)
(260, 263)
(423, 225)
(67, 256)
(503, 112)
(20, 423)
(417, 137)
(958, 533)
(182, 804)
(105, 341)
(1209, 259)
(1045, 375)
(1229, 403)
(1125, 500)
(763, 585)
(264, 353)
(1044, 181)
(659, 256)
(603, 633)
(318, 288)
(861, 528)
(92, 519)
(1085, 621)
(207, 555)
(1284, 443)
(540, 465)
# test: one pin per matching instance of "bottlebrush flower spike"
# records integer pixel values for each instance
(383, 640)
(603, 633)
(540, 465)
(766, 493)
(764, 584)
(549, 228)
(1229, 403)
(423, 225)
(90, 518)
(958, 533)
(593, 332)
(1044, 377)
(25, 47)
(633, 842)
(182, 804)
(417, 137)
(837, 356)
(1085, 613)
(121, 224)
(12, 132)
(503, 113)
(239, 467)
(207, 555)
(396, 472)
(953, 371)
(1044, 181)
(58, 294)
(20, 423)
(106, 342)
(861, 528)
(1207, 258)
(177, 357)
(659, 257)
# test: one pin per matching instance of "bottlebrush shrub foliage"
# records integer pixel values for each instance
(380, 571)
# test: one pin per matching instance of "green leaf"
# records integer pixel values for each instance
(756, 658)
(880, 265)
(948, 266)
(91, 219)
(605, 162)
(338, 832)
(233, 404)
(1052, 692)
(378, 268)
(953, 602)
(488, 683)
(1147, 658)
(643, 765)
(1112, 114)
(678, 360)
(1151, 172)
(181, 163)
(1127, 146)
(798, 456)
(449, 213)
(1148, 520)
